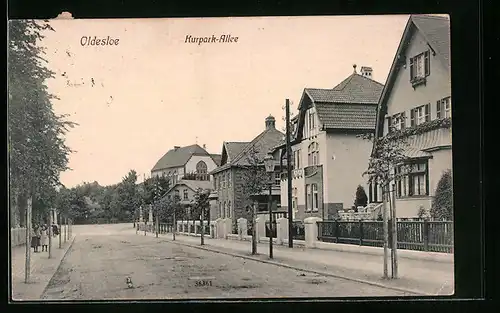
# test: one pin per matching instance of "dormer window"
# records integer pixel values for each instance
(420, 115)
(312, 120)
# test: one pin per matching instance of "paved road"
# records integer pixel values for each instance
(102, 257)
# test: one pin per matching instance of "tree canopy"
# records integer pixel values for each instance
(36, 146)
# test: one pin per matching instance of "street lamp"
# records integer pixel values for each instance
(269, 165)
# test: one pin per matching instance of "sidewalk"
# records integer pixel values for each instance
(42, 270)
(416, 276)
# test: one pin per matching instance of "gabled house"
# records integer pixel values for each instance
(229, 177)
(328, 155)
(417, 98)
(191, 162)
(185, 191)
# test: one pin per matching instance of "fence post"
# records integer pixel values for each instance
(360, 232)
(426, 235)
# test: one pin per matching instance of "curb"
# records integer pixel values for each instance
(58, 267)
(381, 285)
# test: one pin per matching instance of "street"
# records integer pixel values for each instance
(103, 256)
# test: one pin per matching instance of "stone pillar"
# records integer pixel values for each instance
(178, 226)
(242, 227)
(196, 225)
(281, 230)
(311, 231)
(219, 231)
(261, 227)
(227, 227)
(150, 217)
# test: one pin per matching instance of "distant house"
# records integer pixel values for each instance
(328, 157)
(229, 177)
(418, 95)
(185, 190)
(190, 162)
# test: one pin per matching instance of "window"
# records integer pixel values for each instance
(294, 200)
(277, 178)
(443, 108)
(314, 197)
(398, 121)
(420, 115)
(313, 154)
(308, 198)
(312, 120)
(221, 213)
(297, 159)
(228, 209)
(177, 194)
(420, 66)
(223, 176)
(229, 180)
(412, 179)
(185, 194)
(201, 167)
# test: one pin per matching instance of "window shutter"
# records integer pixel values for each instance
(412, 69)
(403, 120)
(438, 109)
(427, 63)
(412, 117)
(427, 116)
(389, 124)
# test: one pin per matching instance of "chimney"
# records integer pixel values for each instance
(205, 146)
(354, 67)
(366, 71)
(176, 147)
(270, 122)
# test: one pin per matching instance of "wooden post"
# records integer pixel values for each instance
(27, 264)
(394, 235)
(386, 231)
(50, 232)
(157, 225)
(254, 228)
(426, 235)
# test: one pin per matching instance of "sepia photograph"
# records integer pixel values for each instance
(230, 158)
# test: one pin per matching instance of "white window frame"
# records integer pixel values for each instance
(185, 195)
(313, 154)
(308, 198)
(315, 197)
(399, 121)
(420, 115)
(277, 178)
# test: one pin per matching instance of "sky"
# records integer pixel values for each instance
(152, 91)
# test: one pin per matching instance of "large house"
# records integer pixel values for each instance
(191, 162)
(417, 96)
(328, 155)
(229, 179)
(185, 190)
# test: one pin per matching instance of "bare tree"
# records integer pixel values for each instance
(254, 181)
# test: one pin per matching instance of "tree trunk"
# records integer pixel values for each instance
(254, 228)
(27, 265)
(386, 232)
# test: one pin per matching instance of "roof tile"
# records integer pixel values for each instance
(178, 157)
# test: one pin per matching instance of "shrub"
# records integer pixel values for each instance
(361, 199)
(442, 204)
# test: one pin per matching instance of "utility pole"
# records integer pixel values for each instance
(202, 232)
(386, 230)
(394, 242)
(289, 174)
(65, 229)
(27, 264)
(254, 228)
